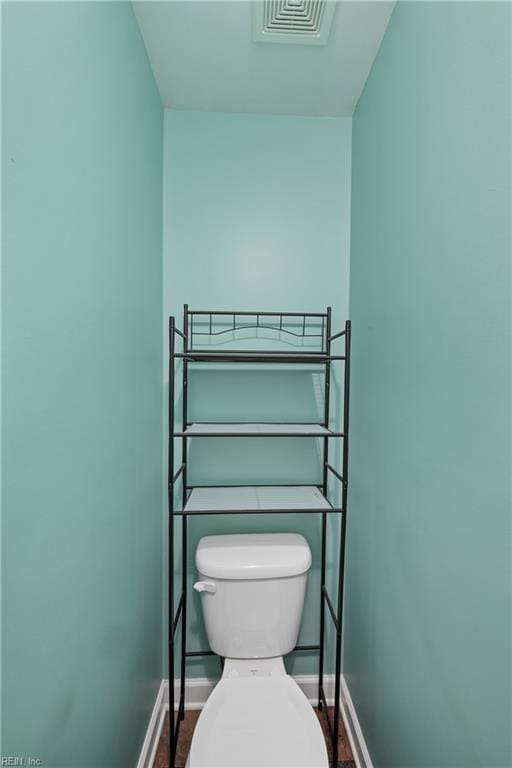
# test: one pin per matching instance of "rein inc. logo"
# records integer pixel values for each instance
(20, 761)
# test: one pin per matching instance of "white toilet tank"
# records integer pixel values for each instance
(252, 592)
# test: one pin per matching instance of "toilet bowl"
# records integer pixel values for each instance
(252, 593)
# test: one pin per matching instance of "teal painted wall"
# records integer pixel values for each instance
(427, 636)
(82, 384)
(256, 216)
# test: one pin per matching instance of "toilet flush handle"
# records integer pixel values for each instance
(204, 586)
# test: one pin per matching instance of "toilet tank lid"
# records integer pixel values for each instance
(253, 556)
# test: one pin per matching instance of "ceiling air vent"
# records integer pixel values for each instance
(306, 22)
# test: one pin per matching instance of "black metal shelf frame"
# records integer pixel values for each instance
(304, 327)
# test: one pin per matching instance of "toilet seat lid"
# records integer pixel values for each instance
(258, 722)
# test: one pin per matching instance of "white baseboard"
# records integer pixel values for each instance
(198, 689)
(156, 721)
(355, 735)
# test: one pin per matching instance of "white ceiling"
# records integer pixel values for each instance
(204, 58)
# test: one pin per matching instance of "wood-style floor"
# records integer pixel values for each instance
(187, 729)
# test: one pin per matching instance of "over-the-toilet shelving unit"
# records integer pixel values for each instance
(310, 338)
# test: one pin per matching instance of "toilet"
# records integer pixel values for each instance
(252, 590)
